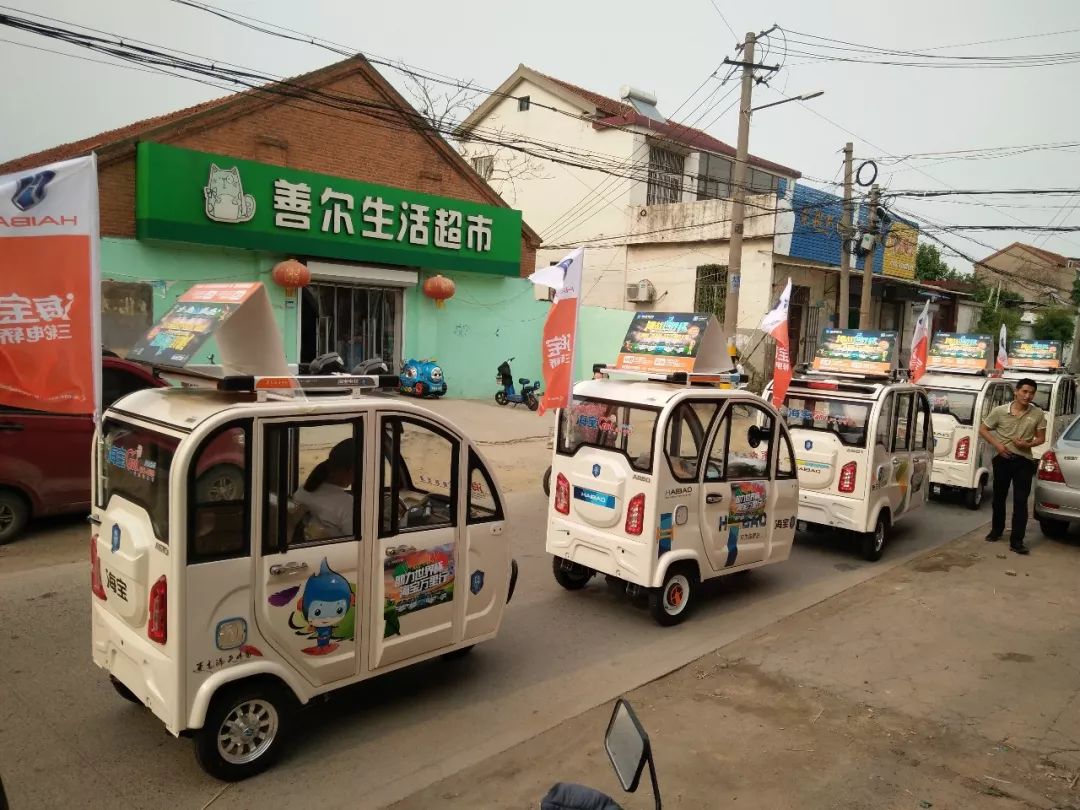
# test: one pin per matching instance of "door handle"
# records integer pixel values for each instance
(287, 568)
(713, 498)
(12, 426)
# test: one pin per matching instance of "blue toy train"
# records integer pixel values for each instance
(422, 378)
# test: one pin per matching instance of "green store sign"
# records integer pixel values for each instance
(187, 196)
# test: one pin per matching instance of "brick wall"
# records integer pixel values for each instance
(313, 138)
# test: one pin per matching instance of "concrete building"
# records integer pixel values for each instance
(1039, 277)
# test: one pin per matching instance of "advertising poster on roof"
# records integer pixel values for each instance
(1034, 354)
(850, 351)
(951, 351)
(663, 342)
(50, 345)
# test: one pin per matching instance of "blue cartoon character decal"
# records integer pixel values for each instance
(422, 378)
(325, 610)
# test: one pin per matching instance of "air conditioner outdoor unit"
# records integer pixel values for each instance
(643, 292)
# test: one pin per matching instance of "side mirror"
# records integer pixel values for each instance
(628, 748)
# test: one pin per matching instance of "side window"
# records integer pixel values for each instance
(311, 484)
(116, 383)
(785, 458)
(419, 477)
(884, 422)
(922, 422)
(904, 433)
(484, 503)
(687, 430)
(749, 442)
(219, 487)
(990, 400)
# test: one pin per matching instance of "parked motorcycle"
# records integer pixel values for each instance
(628, 748)
(508, 395)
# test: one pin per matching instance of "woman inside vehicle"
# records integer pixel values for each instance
(325, 492)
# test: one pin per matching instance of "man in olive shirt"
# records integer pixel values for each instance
(1013, 430)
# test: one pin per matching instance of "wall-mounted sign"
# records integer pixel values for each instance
(950, 351)
(187, 196)
(669, 342)
(850, 351)
(1034, 354)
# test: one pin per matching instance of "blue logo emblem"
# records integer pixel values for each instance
(595, 470)
(115, 538)
(476, 581)
(31, 190)
(809, 445)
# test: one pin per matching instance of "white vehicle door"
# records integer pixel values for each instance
(921, 451)
(738, 499)
(902, 456)
(308, 567)
(885, 459)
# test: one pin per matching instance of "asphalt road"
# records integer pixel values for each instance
(67, 740)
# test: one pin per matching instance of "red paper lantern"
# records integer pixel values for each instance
(439, 288)
(291, 273)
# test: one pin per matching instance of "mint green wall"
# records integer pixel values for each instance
(491, 319)
(172, 269)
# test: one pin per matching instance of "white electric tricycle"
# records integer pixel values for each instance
(279, 538)
(662, 483)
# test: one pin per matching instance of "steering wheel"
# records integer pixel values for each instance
(419, 508)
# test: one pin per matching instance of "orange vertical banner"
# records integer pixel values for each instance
(50, 348)
(775, 323)
(560, 329)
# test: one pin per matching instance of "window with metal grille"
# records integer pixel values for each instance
(710, 290)
(484, 165)
(665, 176)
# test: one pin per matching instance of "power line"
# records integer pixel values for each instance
(722, 17)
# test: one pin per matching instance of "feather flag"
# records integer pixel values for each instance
(775, 323)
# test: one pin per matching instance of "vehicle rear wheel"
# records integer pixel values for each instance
(221, 483)
(672, 602)
(973, 498)
(244, 730)
(532, 401)
(547, 482)
(421, 390)
(14, 514)
(123, 691)
(1054, 528)
(873, 543)
(500, 397)
(569, 574)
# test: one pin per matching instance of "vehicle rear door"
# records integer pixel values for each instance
(830, 437)
(885, 459)
(922, 454)
(901, 461)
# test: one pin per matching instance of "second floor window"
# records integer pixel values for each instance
(484, 165)
(665, 176)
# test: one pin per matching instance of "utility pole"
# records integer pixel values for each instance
(846, 233)
(868, 265)
(738, 198)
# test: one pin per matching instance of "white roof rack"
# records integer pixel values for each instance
(721, 379)
(356, 384)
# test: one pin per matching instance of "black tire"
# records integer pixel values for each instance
(673, 601)
(973, 498)
(532, 401)
(1054, 528)
(573, 578)
(273, 706)
(222, 482)
(124, 692)
(455, 655)
(500, 397)
(873, 543)
(14, 515)
(547, 482)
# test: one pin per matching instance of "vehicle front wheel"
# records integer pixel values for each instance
(569, 574)
(244, 730)
(973, 498)
(500, 397)
(14, 514)
(1054, 528)
(532, 401)
(671, 602)
(873, 543)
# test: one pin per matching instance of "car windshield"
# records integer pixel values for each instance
(134, 464)
(958, 404)
(626, 429)
(846, 419)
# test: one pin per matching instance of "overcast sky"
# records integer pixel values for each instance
(669, 49)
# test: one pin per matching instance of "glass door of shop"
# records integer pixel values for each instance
(358, 322)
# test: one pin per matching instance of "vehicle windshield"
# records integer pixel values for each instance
(958, 404)
(626, 429)
(845, 418)
(134, 464)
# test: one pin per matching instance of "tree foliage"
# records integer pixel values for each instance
(929, 266)
(1055, 324)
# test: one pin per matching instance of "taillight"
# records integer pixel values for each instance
(562, 495)
(1049, 469)
(847, 476)
(963, 447)
(635, 514)
(157, 626)
(95, 570)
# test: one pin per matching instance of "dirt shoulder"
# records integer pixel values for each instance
(950, 682)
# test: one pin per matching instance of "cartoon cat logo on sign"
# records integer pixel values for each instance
(225, 197)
